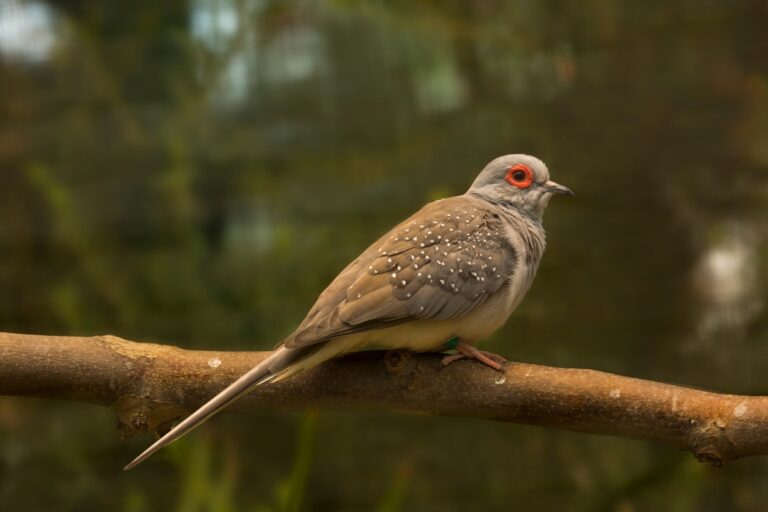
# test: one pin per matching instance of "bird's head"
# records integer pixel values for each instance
(517, 181)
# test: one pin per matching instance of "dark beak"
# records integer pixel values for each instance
(556, 188)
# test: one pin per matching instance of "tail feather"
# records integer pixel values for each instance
(261, 373)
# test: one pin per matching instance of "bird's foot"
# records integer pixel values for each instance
(467, 351)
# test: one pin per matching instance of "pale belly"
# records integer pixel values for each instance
(417, 335)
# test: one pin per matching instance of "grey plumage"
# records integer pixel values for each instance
(457, 267)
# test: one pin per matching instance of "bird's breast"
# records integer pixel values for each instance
(526, 241)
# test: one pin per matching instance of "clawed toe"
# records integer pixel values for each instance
(495, 357)
(451, 358)
(467, 351)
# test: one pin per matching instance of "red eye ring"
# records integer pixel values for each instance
(520, 176)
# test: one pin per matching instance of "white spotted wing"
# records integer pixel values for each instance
(441, 263)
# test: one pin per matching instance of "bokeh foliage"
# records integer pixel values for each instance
(195, 172)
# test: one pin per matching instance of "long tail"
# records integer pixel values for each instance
(261, 373)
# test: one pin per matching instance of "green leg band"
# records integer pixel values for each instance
(452, 344)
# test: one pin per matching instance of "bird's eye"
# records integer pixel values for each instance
(519, 176)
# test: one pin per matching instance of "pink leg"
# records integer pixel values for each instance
(465, 350)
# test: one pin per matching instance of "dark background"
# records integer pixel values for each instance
(195, 172)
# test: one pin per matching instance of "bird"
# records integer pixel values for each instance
(448, 276)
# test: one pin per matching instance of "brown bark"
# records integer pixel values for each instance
(150, 385)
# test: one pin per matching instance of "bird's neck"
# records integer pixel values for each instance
(510, 206)
(525, 224)
(530, 231)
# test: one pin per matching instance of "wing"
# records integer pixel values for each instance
(441, 263)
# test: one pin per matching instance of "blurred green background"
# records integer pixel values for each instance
(195, 172)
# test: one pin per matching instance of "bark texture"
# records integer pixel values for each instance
(149, 386)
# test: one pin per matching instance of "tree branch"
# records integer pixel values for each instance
(149, 386)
